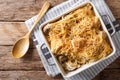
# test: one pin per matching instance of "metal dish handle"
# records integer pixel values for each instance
(110, 22)
(47, 55)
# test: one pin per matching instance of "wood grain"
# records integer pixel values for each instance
(30, 61)
(115, 7)
(26, 75)
(11, 31)
(41, 75)
(21, 10)
(13, 13)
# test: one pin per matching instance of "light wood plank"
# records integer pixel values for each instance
(41, 75)
(11, 31)
(30, 61)
(30, 75)
(114, 5)
(26, 75)
(21, 10)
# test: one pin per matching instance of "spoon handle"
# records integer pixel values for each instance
(40, 15)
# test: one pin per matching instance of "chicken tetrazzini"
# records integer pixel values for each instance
(77, 38)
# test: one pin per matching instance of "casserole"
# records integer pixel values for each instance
(69, 74)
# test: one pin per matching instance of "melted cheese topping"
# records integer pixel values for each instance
(78, 36)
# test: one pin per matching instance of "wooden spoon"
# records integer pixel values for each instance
(21, 46)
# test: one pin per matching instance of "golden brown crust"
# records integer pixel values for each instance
(79, 37)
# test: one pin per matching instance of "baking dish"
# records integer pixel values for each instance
(86, 65)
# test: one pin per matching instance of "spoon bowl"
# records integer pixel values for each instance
(21, 47)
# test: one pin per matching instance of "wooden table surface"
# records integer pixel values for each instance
(13, 13)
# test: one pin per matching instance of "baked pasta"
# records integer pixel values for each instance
(77, 38)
